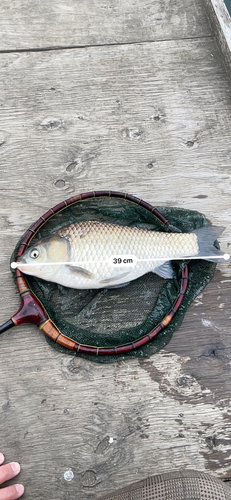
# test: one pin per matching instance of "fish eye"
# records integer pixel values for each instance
(34, 253)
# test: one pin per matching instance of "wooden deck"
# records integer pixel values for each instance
(133, 96)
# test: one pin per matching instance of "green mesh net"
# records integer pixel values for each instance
(111, 317)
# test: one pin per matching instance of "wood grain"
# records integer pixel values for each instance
(34, 25)
(123, 119)
(151, 119)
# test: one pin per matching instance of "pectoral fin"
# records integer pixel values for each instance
(80, 271)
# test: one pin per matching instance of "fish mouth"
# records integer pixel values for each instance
(32, 268)
(20, 263)
(21, 260)
(24, 266)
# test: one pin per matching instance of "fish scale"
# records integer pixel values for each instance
(102, 240)
(93, 243)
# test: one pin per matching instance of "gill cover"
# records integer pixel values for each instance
(51, 249)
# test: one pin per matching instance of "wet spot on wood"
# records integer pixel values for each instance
(153, 372)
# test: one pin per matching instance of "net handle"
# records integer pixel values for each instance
(33, 311)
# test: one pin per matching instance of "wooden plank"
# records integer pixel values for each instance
(127, 120)
(221, 23)
(115, 424)
(132, 118)
(205, 333)
(26, 25)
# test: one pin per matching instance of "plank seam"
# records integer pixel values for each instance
(116, 44)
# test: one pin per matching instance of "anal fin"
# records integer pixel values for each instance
(113, 279)
(165, 270)
(118, 286)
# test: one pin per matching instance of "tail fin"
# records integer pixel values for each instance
(206, 236)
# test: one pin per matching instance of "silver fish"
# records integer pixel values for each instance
(93, 254)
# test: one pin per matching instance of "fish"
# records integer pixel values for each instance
(93, 254)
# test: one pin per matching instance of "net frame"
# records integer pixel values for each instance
(33, 311)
